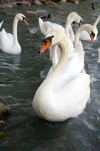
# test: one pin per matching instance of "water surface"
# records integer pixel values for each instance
(23, 129)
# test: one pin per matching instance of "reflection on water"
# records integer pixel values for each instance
(20, 78)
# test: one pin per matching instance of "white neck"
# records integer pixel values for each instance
(49, 82)
(78, 32)
(15, 23)
(68, 26)
(54, 55)
(72, 36)
(96, 22)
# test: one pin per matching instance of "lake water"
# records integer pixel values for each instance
(23, 129)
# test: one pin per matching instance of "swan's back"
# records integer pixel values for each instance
(45, 25)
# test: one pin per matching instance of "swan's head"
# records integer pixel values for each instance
(53, 37)
(21, 17)
(90, 29)
(75, 17)
(86, 27)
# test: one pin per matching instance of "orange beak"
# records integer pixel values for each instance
(25, 21)
(45, 46)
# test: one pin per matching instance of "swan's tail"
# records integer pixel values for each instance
(42, 27)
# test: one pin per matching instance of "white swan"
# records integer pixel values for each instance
(47, 24)
(69, 99)
(1, 23)
(45, 27)
(8, 42)
(75, 61)
(72, 17)
(84, 35)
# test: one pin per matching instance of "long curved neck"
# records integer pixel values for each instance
(76, 39)
(96, 22)
(54, 55)
(68, 26)
(15, 23)
(77, 35)
(52, 78)
(72, 36)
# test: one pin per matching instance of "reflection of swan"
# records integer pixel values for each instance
(98, 61)
(76, 59)
(1, 23)
(69, 99)
(14, 63)
(8, 42)
(84, 35)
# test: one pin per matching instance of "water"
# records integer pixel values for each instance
(23, 129)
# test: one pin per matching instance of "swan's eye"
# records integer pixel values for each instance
(48, 38)
(23, 17)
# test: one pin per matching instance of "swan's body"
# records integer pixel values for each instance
(47, 24)
(8, 42)
(58, 103)
(45, 27)
(84, 35)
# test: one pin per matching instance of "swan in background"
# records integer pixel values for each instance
(54, 103)
(47, 24)
(84, 35)
(45, 27)
(1, 23)
(75, 61)
(8, 42)
(72, 17)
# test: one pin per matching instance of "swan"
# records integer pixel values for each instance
(47, 24)
(45, 27)
(84, 35)
(57, 104)
(75, 61)
(8, 42)
(1, 23)
(72, 17)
